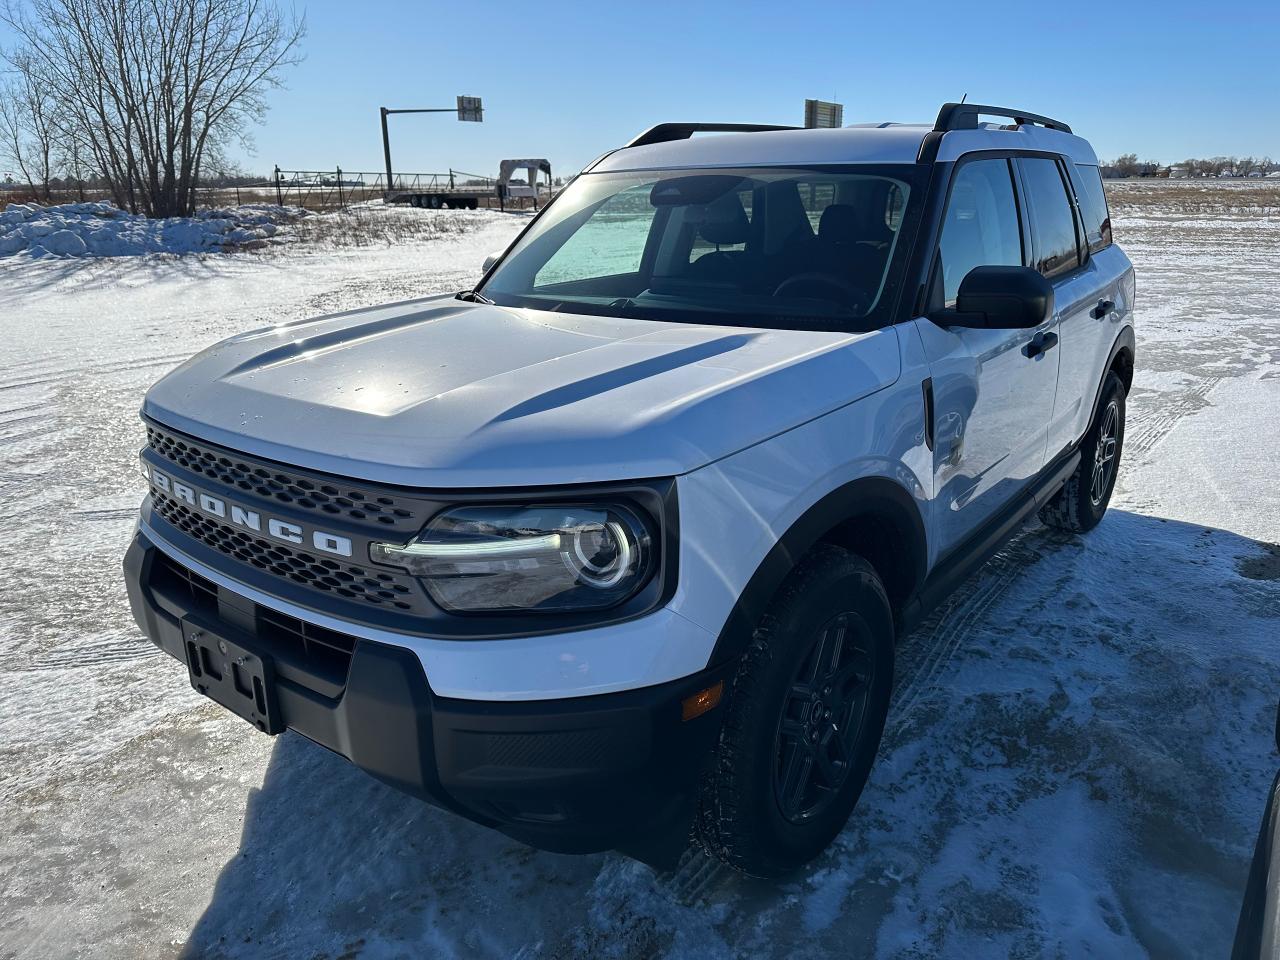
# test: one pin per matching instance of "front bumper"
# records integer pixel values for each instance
(571, 775)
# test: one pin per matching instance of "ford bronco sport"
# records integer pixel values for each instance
(616, 546)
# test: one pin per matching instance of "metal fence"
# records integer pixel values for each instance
(338, 189)
(316, 190)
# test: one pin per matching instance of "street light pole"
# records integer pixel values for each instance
(386, 152)
(468, 108)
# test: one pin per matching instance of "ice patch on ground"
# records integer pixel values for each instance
(100, 229)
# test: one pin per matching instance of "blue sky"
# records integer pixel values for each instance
(570, 80)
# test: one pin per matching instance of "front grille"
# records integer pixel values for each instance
(374, 587)
(320, 495)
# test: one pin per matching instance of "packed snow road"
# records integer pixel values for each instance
(1077, 755)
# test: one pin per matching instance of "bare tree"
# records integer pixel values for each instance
(144, 90)
(28, 134)
(1126, 165)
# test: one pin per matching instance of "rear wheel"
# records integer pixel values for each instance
(804, 720)
(433, 202)
(1081, 503)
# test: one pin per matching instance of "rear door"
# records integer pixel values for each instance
(993, 398)
(1090, 332)
(1079, 288)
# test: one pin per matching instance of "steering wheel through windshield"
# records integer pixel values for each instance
(824, 286)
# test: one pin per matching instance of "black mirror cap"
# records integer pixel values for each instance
(1003, 298)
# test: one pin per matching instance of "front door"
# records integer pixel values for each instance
(993, 397)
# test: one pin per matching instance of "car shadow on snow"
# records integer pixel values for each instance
(1076, 757)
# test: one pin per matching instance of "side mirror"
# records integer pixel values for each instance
(490, 260)
(1000, 298)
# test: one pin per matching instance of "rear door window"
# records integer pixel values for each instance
(1093, 208)
(1053, 224)
(981, 226)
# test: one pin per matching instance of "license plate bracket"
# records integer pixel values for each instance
(230, 675)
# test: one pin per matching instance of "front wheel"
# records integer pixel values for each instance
(804, 719)
(1083, 499)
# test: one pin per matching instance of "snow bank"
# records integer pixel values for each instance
(102, 230)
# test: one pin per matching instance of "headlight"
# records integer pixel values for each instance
(504, 558)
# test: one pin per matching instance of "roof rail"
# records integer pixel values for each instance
(964, 116)
(664, 132)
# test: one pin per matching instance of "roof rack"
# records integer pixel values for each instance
(964, 116)
(665, 132)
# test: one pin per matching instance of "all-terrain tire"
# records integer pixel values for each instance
(740, 818)
(1083, 499)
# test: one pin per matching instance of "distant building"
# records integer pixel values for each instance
(1179, 171)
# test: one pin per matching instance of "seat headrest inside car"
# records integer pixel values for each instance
(725, 221)
(839, 224)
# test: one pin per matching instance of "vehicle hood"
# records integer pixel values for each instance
(447, 394)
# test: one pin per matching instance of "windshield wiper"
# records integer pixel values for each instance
(471, 296)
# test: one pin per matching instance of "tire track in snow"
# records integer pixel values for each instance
(26, 411)
(35, 431)
(119, 513)
(694, 877)
(102, 651)
(69, 373)
(943, 634)
(1145, 431)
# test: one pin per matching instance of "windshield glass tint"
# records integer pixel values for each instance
(764, 247)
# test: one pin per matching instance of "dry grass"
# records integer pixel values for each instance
(378, 226)
(1194, 198)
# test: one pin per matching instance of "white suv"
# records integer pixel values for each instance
(616, 546)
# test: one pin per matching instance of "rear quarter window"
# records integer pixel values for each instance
(1093, 207)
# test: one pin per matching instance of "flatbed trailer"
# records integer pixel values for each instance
(435, 190)
(435, 199)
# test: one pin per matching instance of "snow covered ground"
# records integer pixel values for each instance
(99, 229)
(1075, 763)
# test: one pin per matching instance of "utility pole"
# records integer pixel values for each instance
(468, 108)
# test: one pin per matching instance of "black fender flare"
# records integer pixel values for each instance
(1124, 341)
(880, 497)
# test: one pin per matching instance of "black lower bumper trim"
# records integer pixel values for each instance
(575, 775)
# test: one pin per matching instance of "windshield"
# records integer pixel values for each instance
(762, 247)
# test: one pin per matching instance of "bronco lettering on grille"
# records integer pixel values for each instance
(239, 516)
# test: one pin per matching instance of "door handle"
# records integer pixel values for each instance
(1103, 309)
(1040, 343)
